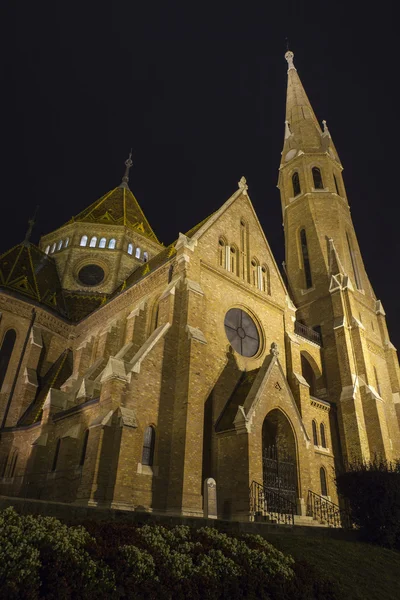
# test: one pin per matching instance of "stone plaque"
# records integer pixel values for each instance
(210, 498)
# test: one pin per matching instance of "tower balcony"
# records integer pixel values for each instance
(308, 333)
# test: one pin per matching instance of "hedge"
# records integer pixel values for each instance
(372, 490)
(41, 558)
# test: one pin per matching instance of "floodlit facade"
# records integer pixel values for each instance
(131, 372)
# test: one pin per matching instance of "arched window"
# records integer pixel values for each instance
(84, 240)
(306, 260)
(6, 350)
(233, 260)
(322, 477)
(111, 244)
(145, 257)
(56, 453)
(102, 243)
(93, 242)
(53, 248)
(354, 263)
(296, 184)
(130, 248)
(315, 433)
(84, 448)
(60, 245)
(317, 177)
(265, 280)
(243, 249)
(254, 271)
(378, 387)
(322, 432)
(336, 184)
(221, 252)
(66, 243)
(137, 253)
(309, 375)
(47, 249)
(13, 463)
(148, 446)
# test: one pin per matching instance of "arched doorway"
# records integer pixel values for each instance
(279, 455)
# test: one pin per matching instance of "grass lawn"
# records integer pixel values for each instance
(366, 572)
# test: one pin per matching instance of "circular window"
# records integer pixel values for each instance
(91, 275)
(242, 332)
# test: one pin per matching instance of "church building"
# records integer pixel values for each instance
(132, 372)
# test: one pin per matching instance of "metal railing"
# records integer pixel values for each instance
(308, 333)
(327, 512)
(265, 502)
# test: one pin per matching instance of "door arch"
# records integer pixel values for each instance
(279, 451)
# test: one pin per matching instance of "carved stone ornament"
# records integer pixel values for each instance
(274, 349)
(243, 184)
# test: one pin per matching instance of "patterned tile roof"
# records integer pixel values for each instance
(31, 272)
(118, 207)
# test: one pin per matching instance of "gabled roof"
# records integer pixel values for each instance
(31, 272)
(118, 207)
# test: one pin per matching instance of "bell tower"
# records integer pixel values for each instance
(330, 286)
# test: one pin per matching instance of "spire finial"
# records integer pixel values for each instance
(128, 164)
(31, 224)
(289, 57)
(243, 184)
(326, 130)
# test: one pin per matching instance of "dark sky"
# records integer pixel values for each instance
(198, 91)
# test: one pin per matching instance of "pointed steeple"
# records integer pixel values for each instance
(301, 122)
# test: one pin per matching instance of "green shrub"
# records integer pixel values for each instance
(42, 558)
(373, 492)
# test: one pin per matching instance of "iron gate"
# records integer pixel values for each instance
(279, 473)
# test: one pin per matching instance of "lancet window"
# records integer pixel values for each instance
(84, 240)
(254, 271)
(306, 260)
(324, 487)
(336, 184)
(130, 248)
(322, 434)
(233, 260)
(103, 242)
(317, 177)
(84, 448)
(112, 243)
(93, 242)
(6, 350)
(221, 252)
(296, 184)
(137, 253)
(315, 433)
(145, 257)
(148, 446)
(56, 454)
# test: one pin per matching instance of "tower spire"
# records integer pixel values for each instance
(128, 165)
(299, 113)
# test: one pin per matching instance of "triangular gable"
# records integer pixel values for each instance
(242, 194)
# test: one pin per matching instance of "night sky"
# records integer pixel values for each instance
(198, 91)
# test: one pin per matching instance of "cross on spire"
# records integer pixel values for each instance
(128, 165)
(31, 224)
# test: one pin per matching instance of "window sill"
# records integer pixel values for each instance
(308, 290)
(319, 189)
(147, 470)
